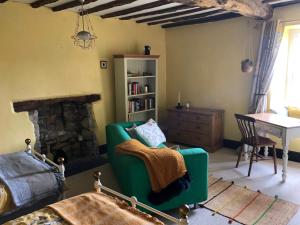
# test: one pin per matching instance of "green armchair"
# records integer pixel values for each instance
(133, 178)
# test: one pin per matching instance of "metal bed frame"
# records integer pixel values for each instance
(183, 211)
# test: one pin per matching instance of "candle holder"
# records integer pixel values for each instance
(179, 106)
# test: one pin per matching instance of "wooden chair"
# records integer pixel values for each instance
(249, 137)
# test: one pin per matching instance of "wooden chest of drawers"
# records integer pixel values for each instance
(197, 127)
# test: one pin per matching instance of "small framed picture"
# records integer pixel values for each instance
(103, 64)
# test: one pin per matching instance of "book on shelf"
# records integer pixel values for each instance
(134, 88)
(140, 104)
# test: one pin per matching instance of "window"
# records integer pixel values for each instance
(285, 86)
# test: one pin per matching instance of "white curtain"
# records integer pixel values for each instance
(272, 33)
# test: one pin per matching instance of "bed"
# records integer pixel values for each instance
(8, 207)
(116, 206)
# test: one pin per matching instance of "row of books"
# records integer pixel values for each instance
(140, 104)
(134, 88)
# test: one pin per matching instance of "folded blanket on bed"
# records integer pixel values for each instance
(164, 165)
(100, 209)
(27, 178)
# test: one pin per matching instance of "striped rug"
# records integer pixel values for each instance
(246, 206)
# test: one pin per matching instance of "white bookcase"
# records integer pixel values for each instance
(136, 87)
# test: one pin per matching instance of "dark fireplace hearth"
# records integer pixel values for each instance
(63, 126)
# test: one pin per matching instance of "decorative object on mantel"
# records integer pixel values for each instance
(179, 106)
(147, 50)
(188, 105)
(247, 64)
(84, 36)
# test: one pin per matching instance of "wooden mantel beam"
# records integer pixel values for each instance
(29, 105)
(250, 8)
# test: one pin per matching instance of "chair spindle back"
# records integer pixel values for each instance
(247, 127)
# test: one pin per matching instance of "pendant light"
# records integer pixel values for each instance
(84, 36)
(247, 64)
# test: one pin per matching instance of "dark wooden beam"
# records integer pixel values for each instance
(136, 8)
(229, 15)
(171, 9)
(2, 1)
(194, 10)
(190, 17)
(285, 3)
(250, 8)
(71, 4)
(34, 104)
(40, 3)
(109, 5)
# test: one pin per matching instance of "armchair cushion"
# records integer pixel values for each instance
(150, 133)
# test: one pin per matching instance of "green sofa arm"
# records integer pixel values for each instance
(196, 161)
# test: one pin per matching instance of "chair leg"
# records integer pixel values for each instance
(239, 156)
(256, 154)
(251, 161)
(274, 159)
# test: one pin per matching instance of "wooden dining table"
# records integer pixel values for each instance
(284, 127)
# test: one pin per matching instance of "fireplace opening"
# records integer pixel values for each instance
(63, 126)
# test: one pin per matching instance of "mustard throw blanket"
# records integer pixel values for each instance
(164, 165)
(6, 203)
(100, 209)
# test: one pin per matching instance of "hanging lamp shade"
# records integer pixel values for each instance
(84, 36)
(247, 65)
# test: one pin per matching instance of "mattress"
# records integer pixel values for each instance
(6, 203)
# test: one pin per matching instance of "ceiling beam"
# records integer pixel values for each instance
(109, 5)
(190, 17)
(71, 4)
(170, 15)
(136, 8)
(250, 8)
(40, 3)
(202, 20)
(161, 11)
(283, 3)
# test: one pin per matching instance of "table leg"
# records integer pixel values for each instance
(266, 152)
(285, 158)
(246, 150)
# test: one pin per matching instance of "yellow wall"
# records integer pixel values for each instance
(203, 62)
(38, 60)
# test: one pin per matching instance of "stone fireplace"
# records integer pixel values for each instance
(63, 126)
